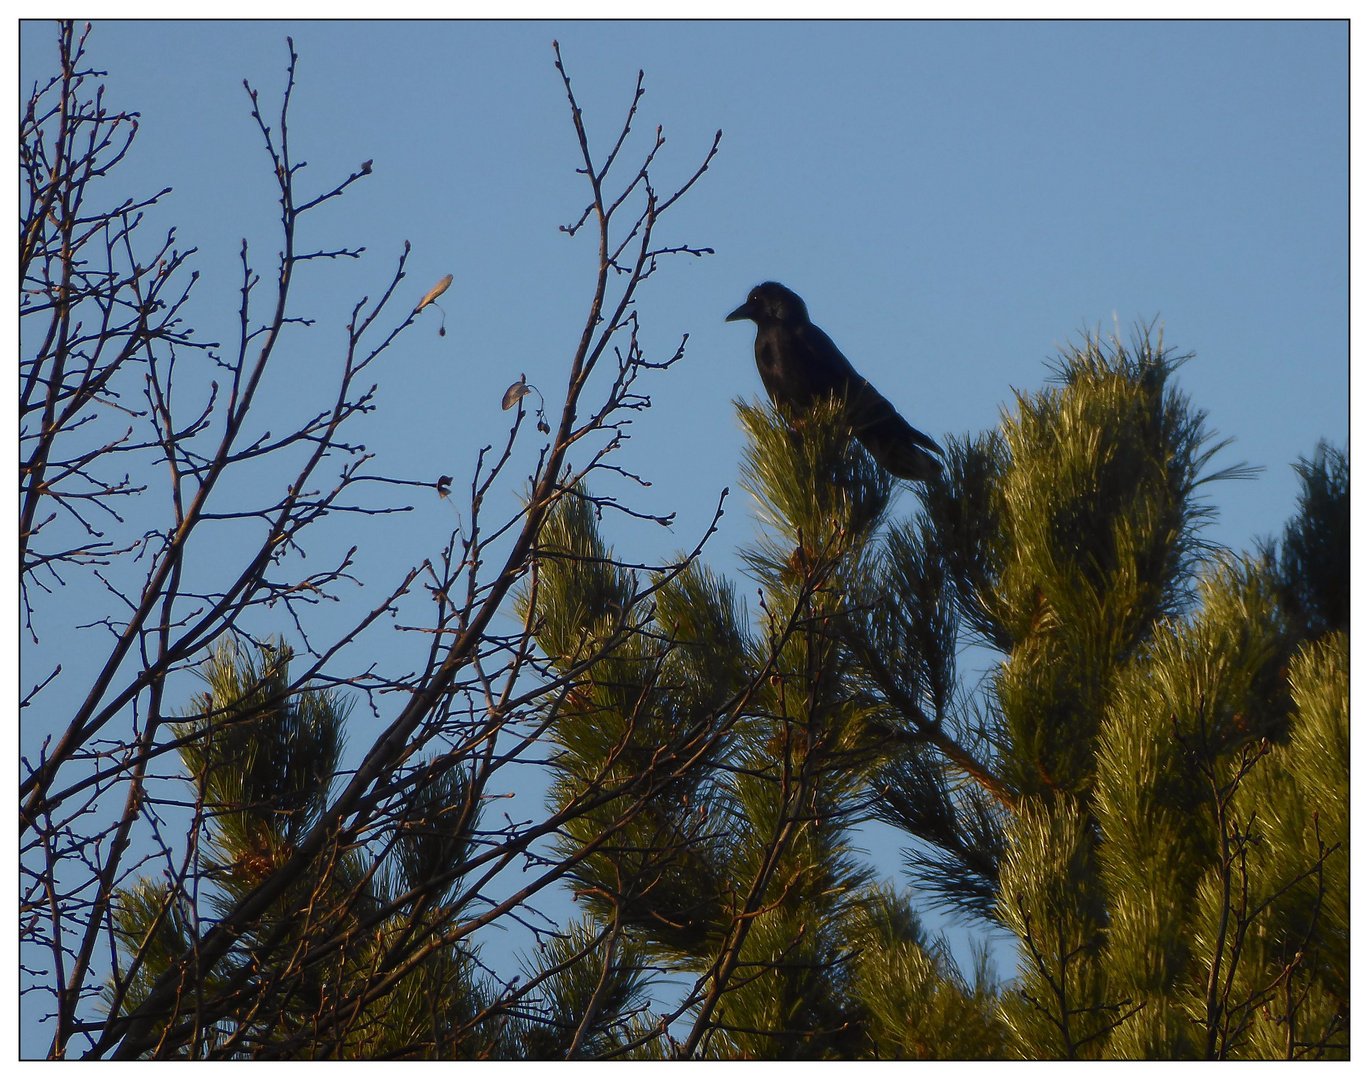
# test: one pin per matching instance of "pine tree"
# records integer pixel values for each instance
(1149, 789)
(349, 964)
(742, 875)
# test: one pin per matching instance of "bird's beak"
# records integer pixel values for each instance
(743, 312)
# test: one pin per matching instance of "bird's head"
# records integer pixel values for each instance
(771, 302)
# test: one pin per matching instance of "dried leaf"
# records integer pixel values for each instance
(515, 393)
(433, 293)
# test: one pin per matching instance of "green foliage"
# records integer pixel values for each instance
(588, 985)
(1099, 519)
(260, 756)
(1149, 790)
(153, 925)
(1304, 801)
(434, 835)
(965, 523)
(793, 1000)
(1209, 839)
(643, 701)
(1048, 898)
(740, 860)
(813, 489)
(1314, 571)
(915, 1002)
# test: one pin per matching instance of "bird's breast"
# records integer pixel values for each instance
(788, 372)
(771, 366)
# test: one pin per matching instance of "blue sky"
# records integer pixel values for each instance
(951, 199)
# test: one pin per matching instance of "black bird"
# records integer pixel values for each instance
(799, 365)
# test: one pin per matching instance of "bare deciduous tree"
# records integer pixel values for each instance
(115, 402)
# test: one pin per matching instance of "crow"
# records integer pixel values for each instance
(799, 365)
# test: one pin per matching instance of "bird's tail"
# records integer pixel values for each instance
(894, 443)
(901, 456)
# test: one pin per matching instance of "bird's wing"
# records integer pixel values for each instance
(828, 371)
(892, 441)
(899, 447)
(833, 373)
(870, 411)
